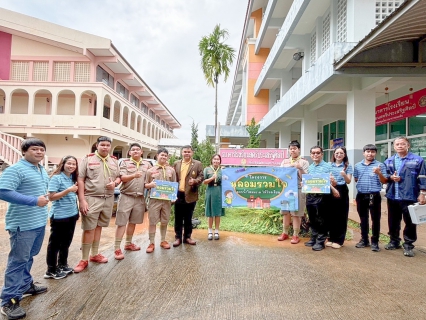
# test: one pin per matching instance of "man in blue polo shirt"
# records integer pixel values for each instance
(367, 175)
(317, 204)
(405, 186)
(24, 186)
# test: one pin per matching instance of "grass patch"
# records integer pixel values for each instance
(355, 225)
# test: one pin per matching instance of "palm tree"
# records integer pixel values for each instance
(216, 58)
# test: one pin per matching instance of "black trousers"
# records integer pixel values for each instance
(317, 208)
(183, 216)
(398, 210)
(61, 234)
(369, 203)
(338, 215)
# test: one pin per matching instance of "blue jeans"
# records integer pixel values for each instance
(24, 245)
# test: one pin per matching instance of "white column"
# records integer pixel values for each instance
(360, 125)
(308, 131)
(284, 136)
(360, 19)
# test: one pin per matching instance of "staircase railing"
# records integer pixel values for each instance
(10, 148)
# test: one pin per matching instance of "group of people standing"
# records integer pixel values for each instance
(88, 188)
(404, 175)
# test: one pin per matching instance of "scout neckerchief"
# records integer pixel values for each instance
(105, 161)
(164, 170)
(215, 172)
(136, 162)
(295, 160)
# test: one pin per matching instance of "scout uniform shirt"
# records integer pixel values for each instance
(134, 187)
(98, 174)
(157, 172)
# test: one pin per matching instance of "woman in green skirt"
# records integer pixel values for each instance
(213, 180)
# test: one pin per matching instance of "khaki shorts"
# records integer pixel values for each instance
(302, 206)
(100, 211)
(130, 209)
(159, 211)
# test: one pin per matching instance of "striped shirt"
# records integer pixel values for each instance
(322, 167)
(30, 180)
(66, 206)
(368, 181)
(337, 168)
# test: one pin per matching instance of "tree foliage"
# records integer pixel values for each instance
(194, 140)
(254, 136)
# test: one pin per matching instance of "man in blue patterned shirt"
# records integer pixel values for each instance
(406, 184)
(24, 186)
(317, 204)
(368, 173)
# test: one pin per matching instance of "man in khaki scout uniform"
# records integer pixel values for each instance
(189, 173)
(131, 204)
(159, 210)
(98, 176)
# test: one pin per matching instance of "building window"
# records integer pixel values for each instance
(382, 152)
(326, 32)
(82, 72)
(385, 8)
(20, 70)
(134, 101)
(152, 114)
(313, 48)
(382, 132)
(326, 136)
(398, 128)
(104, 77)
(418, 146)
(417, 124)
(341, 20)
(41, 71)
(144, 108)
(157, 118)
(122, 91)
(61, 71)
(107, 111)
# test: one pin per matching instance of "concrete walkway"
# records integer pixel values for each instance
(237, 277)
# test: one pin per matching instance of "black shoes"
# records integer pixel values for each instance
(375, 247)
(33, 290)
(311, 242)
(318, 247)
(362, 244)
(12, 310)
(392, 246)
(57, 274)
(66, 269)
(409, 253)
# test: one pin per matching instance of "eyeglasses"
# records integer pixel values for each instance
(318, 152)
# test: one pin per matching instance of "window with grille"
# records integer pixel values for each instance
(82, 72)
(41, 71)
(152, 114)
(20, 70)
(133, 100)
(61, 71)
(144, 108)
(313, 48)
(326, 33)
(122, 91)
(341, 20)
(107, 111)
(385, 8)
(104, 77)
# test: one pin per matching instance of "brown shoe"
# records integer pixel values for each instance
(164, 245)
(150, 248)
(177, 243)
(189, 241)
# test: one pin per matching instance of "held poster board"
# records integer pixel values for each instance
(165, 190)
(316, 183)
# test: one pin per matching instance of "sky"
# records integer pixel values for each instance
(159, 38)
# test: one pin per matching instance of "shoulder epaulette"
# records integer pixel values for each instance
(126, 160)
(114, 157)
(90, 154)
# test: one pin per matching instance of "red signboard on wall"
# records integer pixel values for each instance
(407, 106)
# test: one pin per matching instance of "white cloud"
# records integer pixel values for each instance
(160, 40)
